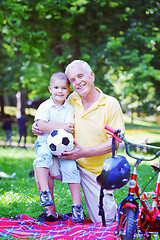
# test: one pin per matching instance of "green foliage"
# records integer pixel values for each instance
(117, 38)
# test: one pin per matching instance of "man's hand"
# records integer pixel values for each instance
(77, 152)
(35, 129)
(98, 150)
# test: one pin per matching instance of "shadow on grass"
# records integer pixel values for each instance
(138, 126)
(155, 144)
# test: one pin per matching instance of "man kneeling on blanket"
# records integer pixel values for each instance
(93, 110)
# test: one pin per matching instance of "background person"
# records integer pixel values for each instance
(22, 128)
(7, 127)
(93, 110)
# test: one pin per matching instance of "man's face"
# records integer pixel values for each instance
(81, 79)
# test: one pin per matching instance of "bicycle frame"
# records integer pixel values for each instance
(150, 221)
(147, 217)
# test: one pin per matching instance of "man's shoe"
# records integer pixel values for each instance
(45, 198)
(44, 217)
(77, 213)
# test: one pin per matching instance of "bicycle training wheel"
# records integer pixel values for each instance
(126, 226)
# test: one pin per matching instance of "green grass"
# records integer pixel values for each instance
(142, 129)
(20, 195)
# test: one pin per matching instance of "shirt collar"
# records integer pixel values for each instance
(53, 104)
(101, 100)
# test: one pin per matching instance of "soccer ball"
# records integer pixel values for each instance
(60, 141)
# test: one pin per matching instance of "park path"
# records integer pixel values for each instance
(15, 144)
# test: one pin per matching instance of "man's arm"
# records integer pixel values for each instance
(94, 151)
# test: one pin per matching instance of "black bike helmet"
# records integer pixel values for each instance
(115, 173)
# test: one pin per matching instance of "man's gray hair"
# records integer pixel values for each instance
(83, 63)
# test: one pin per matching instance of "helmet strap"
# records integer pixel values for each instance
(101, 210)
(113, 147)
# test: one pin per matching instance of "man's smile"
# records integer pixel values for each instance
(80, 87)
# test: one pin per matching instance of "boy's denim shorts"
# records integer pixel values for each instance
(43, 155)
(67, 168)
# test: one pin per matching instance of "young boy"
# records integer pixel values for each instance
(55, 113)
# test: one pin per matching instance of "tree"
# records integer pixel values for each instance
(119, 39)
(134, 53)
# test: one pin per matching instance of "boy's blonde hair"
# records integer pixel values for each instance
(60, 76)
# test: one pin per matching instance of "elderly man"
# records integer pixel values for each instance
(93, 110)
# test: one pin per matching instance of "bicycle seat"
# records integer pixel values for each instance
(155, 166)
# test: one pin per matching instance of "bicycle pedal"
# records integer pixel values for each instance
(158, 219)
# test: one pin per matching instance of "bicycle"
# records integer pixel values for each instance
(143, 220)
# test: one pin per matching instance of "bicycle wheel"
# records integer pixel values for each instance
(126, 227)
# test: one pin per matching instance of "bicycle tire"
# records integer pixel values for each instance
(127, 228)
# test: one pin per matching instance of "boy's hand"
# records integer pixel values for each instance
(35, 129)
(69, 127)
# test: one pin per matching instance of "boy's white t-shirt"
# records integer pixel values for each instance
(48, 111)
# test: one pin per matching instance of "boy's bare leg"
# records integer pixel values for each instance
(42, 180)
(75, 192)
(42, 175)
(77, 209)
(51, 209)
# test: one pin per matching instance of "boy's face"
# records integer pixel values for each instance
(59, 89)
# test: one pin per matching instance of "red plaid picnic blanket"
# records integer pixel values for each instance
(25, 227)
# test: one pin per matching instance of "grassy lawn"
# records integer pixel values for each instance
(142, 129)
(20, 195)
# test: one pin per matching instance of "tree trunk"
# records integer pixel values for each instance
(2, 106)
(21, 103)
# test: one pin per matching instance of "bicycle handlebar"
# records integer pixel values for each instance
(120, 137)
(113, 133)
(112, 130)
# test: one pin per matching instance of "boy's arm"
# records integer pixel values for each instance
(47, 127)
